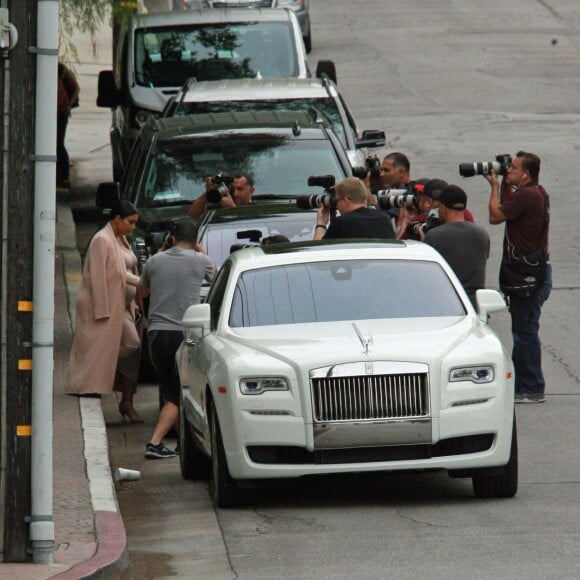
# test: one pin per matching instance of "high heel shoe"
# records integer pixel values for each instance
(126, 409)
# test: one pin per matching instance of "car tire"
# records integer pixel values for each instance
(505, 484)
(147, 372)
(308, 42)
(193, 463)
(225, 490)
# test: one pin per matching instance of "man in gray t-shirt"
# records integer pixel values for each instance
(172, 279)
(463, 244)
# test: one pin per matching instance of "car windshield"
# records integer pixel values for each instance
(324, 106)
(168, 56)
(176, 172)
(326, 291)
(219, 239)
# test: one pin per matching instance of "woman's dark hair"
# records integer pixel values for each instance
(122, 208)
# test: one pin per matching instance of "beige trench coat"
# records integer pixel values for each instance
(100, 310)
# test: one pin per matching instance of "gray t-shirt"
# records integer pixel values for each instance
(174, 279)
(465, 246)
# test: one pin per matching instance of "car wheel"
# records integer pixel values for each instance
(308, 42)
(192, 462)
(226, 492)
(505, 484)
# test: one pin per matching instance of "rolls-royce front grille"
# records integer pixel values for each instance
(370, 397)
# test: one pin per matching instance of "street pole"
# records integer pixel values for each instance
(41, 518)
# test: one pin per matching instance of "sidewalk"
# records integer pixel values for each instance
(90, 536)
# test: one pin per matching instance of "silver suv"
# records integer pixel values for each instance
(318, 96)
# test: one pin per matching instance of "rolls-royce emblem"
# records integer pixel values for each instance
(369, 368)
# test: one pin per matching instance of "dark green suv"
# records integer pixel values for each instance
(172, 158)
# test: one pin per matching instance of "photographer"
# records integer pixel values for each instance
(463, 244)
(356, 219)
(240, 193)
(427, 211)
(524, 206)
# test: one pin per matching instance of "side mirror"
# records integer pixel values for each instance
(328, 68)
(372, 138)
(107, 93)
(197, 318)
(489, 301)
(107, 193)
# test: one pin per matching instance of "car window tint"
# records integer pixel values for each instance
(326, 107)
(343, 290)
(218, 240)
(167, 56)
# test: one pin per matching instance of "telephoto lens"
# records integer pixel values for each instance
(479, 168)
(316, 201)
(215, 195)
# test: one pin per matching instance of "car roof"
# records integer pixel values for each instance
(321, 250)
(212, 122)
(256, 89)
(209, 16)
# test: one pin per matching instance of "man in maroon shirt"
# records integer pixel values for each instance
(523, 205)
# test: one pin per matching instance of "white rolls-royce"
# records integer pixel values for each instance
(352, 356)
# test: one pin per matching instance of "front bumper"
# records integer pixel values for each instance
(266, 442)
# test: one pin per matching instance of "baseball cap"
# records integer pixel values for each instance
(453, 197)
(434, 187)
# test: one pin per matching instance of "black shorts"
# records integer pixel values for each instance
(163, 345)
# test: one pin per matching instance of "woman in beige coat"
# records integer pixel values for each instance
(106, 347)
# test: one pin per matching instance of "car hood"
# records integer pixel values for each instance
(335, 342)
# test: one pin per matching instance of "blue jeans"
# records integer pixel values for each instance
(527, 351)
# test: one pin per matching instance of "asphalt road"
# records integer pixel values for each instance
(450, 82)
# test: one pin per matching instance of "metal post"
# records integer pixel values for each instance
(41, 522)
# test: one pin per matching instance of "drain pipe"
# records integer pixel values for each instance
(41, 520)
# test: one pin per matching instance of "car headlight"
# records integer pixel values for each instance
(259, 385)
(292, 4)
(475, 374)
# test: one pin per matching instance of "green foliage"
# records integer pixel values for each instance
(86, 16)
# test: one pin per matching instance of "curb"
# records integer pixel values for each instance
(111, 556)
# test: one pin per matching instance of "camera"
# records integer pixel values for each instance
(325, 199)
(372, 166)
(222, 183)
(500, 166)
(407, 196)
(432, 221)
(160, 240)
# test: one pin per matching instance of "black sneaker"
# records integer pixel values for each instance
(158, 451)
(527, 398)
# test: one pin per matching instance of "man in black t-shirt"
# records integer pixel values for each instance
(356, 220)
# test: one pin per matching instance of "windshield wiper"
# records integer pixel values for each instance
(170, 202)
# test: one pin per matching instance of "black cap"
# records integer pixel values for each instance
(434, 187)
(453, 197)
